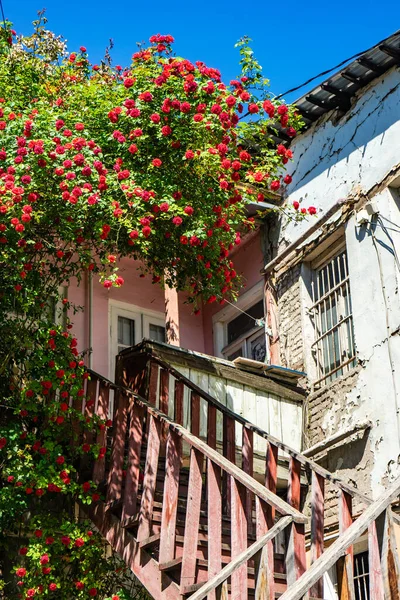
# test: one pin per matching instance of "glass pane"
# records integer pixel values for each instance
(243, 323)
(257, 348)
(126, 331)
(157, 333)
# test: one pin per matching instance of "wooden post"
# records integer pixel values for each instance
(317, 528)
(212, 426)
(133, 470)
(345, 563)
(170, 497)
(150, 480)
(265, 516)
(228, 448)
(214, 513)
(172, 316)
(247, 466)
(195, 414)
(376, 587)
(152, 385)
(102, 412)
(118, 448)
(389, 556)
(296, 553)
(238, 539)
(178, 409)
(192, 521)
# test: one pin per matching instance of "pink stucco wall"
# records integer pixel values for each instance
(195, 331)
(136, 291)
(248, 261)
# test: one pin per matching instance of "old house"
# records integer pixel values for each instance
(310, 354)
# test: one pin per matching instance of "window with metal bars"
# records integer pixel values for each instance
(333, 348)
(361, 576)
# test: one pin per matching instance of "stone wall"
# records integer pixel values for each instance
(290, 318)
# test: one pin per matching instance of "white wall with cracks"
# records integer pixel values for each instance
(347, 158)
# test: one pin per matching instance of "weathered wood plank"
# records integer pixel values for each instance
(195, 414)
(118, 447)
(389, 555)
(214, 516)
(170, 497)
(238, 539)
(133, 468)
(271, 477)
(153, 383)
(247, 466)
(164, 391)
(317, 528)
(228, 449)
(264, 559)
(241, 559)
(376, 587)
(345, 540)
(296, 553)
(188, 572)
(102, 412)
(90, 406)
(212, 426)
(178, 399)
(149, 481)
(345, 564)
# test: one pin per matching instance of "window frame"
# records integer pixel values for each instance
(143, 319)
(221, 319)
(345, 337)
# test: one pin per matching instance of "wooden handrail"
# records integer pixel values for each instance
(301, 458)
(241, 559)
(227, 466)
(346, 539)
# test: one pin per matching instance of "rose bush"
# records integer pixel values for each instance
(156, 161)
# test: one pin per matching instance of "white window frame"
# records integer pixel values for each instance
(221, 319)
(142, 317)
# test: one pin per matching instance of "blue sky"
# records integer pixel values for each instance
(293, 41)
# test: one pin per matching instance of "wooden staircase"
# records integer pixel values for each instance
(190, 522)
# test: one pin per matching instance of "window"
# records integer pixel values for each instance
(361, 576)
(128, 325)
(246, 335)
(333, 348)
(126, 333)
(157, 332)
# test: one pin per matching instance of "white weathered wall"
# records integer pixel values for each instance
(335, 161)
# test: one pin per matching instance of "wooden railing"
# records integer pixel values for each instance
(384, 567)
(222, 498)
(326, 496)
(143, 439)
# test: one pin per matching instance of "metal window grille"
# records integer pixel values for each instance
(334, 347)
(361, 576)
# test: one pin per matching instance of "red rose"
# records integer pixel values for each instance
(275, 185)
(79, 585)
(287, 179)
(21, 572)
(92, 592)
(44, 559)
(189, 154)
(46, 570)
(23, 551)
(86, 486)
(146, 231)
(65, 540)
(282, 109)
(79, 542)
(253, 108)
(128, 82)
(177, 221)
(52, 587)
(157, 162)
(312, 210)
